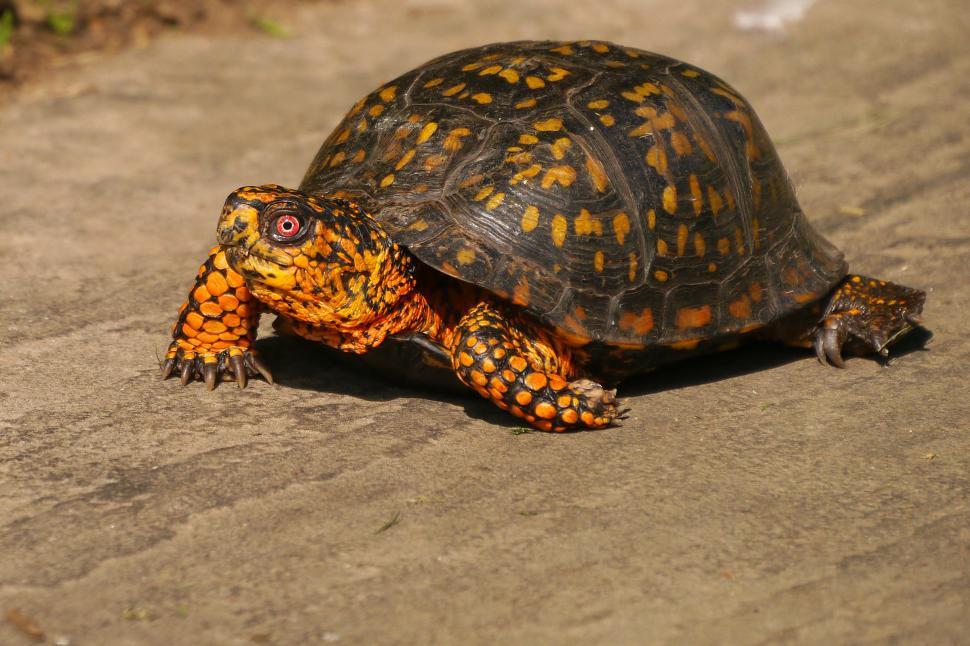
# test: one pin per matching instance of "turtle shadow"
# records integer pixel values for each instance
(751, 358)
(306, 365)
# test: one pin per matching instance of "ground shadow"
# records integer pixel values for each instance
(305, 365)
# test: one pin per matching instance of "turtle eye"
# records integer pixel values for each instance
(286, 227)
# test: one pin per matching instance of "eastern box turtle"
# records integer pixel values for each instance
(545, 219)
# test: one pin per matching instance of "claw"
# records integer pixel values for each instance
(831, 344)
(819, 348)
(238, 365)
(879, 343)
(209, 374)
(260, 367)
(167, 368)
(186, 375)
(915, 319)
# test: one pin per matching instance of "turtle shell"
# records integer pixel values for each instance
(621, 197)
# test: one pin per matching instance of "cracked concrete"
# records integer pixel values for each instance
(751, 497)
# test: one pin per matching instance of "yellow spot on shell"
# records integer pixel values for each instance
(434, 82)
(621, 227)
(529, 172)
(632, 274)
(454, 89)
(598, 261)
(651, 219)
(661, 275)
(453, 141)
(697, 198)
(607, 120)
(680, 143)
(527, 103)
(585, 224)
(699, 246)
(560, 146)
(530, 218)
(376, 110)
(690, 73)
(491, 69)
(681, 239)
(661, 247)
(548, 125)
(494, 201)
(565, 50)
(426, 132)
(432, 162)
(724, 246)
(657, 158)
(693, 317)
(343, 136)
(359, 156)
(466, 256)
(711, 267)
(388, 93)
(600, 48)
(564, 175)
(509, 75)
(472, 66)
(482, 97)
(670, 198)
(559, 228)
(599, 104)
(483, 193)
(534, 82)
(715, 199)
(597, 173)
(408, 156)
(558, 74)
(387, 181)
(339, 157)
(528, 139)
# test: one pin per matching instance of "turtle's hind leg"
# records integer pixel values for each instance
(865, 315)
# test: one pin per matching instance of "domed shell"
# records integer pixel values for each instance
(620, 196)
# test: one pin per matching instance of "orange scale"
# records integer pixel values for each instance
(545, 410)
(228, 336)
(207, 337)
(216, 284)
(201, 294)
(231, 320)
(188, 330)
(209, 308)
(228, 302)
(214, 326)
(234, 280)
(241, 331)
(194, 319)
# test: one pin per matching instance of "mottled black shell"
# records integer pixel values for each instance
(620, 196)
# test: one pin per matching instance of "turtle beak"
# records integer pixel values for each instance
(238, 226)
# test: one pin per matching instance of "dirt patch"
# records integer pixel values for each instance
(38, 35)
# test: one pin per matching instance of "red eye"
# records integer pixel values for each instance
(287, 226)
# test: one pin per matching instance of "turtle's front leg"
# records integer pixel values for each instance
(526, 375)
(216, 328)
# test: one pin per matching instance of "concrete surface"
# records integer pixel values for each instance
(751, 497)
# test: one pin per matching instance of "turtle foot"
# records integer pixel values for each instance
(865, 316)
(234, 363)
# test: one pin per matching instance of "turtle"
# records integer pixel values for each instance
(541, 220)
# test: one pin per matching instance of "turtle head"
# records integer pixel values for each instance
(320, 260)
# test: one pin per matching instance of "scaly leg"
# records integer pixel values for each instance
(525, 372)
(216, 328)
(865, 315)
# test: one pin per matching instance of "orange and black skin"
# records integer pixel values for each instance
(552, 218)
